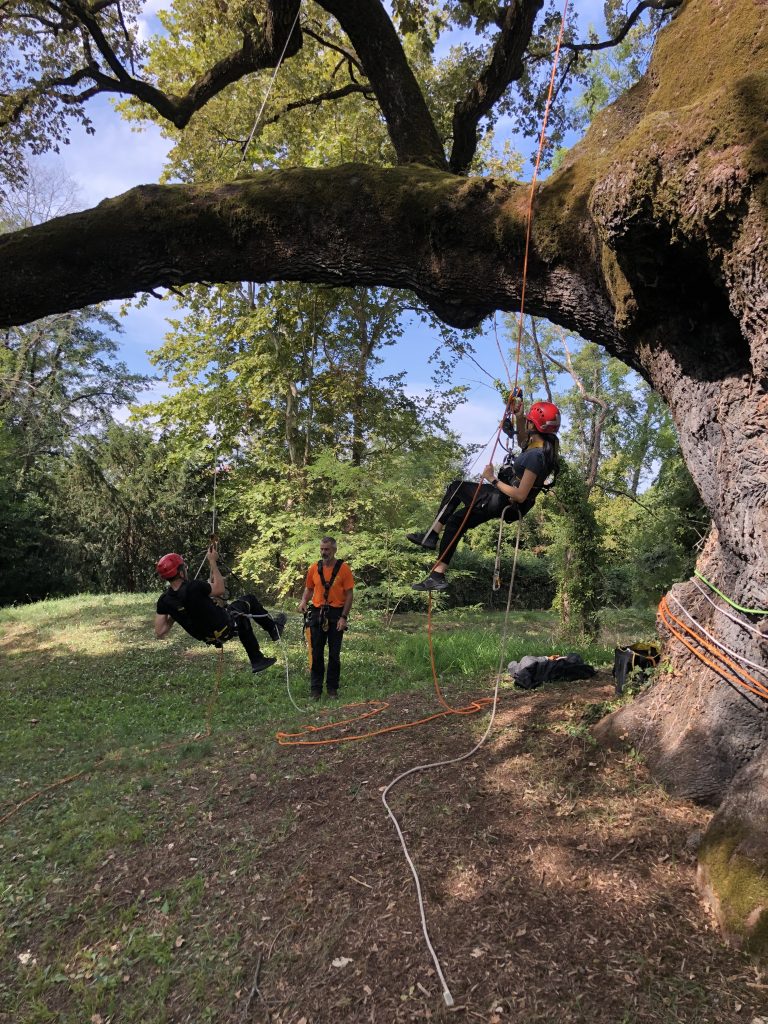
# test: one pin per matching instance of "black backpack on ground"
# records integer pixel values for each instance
(636, 659)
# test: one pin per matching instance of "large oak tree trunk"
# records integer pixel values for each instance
(650, 239)
(687, 222)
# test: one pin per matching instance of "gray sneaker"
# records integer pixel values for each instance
(435, 581)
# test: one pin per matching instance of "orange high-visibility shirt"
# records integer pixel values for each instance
(344, 581)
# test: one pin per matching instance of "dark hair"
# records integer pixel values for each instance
(552, 454)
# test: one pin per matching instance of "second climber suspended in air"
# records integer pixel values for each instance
(520, 480)
(199, 608)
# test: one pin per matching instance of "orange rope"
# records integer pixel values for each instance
(43, 791)
(294, 739)
(529, 225)
(668, 617)
(510, 399)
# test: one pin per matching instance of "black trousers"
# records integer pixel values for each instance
(489, 504)
(319, 639)
(249, 604)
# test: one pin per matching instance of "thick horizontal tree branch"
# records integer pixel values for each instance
(456, 243)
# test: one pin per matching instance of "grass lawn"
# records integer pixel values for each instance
(153, 726)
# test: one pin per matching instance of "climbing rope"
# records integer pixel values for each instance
(738, 607)
(683, 633)
(497, 563)
(734, 618)
(269, 90)
(447, 996)
(714, 640)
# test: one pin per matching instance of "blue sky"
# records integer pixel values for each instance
(117, 157)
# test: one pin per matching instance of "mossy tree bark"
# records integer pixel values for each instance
(650, 240)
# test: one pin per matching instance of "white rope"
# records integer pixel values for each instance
(730, 615)
(269, 90)
(497, 563)
(718, 643)
(284, 655)
(215, 478)
(217, 432)
(447, 997)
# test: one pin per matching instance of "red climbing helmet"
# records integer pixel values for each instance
(169, 565)
(545, 417)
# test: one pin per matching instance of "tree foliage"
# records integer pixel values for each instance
(56, 56)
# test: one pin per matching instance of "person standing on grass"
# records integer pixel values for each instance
(329, 586)
(199, 608)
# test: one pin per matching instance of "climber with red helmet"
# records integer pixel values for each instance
(518, 484)
(199, 608)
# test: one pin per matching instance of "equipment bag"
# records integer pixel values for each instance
(635, 658)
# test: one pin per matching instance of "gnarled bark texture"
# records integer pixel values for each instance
(650, 240)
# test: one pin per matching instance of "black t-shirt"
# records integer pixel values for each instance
(191, 606)
(539, 462)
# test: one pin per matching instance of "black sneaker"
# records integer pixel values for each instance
(333, 695)
(278, 625)
(427, 541)
(262, 663)
(315, 695)
(435, 581)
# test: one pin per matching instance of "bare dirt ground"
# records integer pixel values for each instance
(558, 881)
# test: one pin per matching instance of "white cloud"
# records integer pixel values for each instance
(144, 328)
(112, 160)
(148, 23)
(477, 420)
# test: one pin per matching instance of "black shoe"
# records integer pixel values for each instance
(427, 541)
(278, 625)
(262, 663)
(333, 695)
(435, 581)
(315, 695)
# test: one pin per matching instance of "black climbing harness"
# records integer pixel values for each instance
(327, 584)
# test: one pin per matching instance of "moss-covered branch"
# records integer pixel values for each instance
(457, 243)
